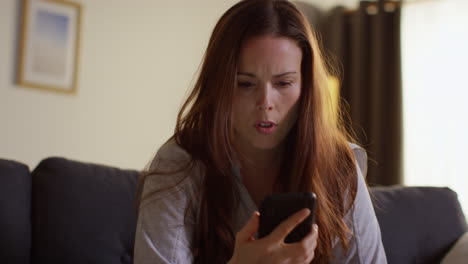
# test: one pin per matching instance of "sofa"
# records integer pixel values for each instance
(67, 211)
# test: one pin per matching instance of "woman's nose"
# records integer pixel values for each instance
(264, 101)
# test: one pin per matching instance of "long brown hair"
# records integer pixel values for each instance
(319, 157)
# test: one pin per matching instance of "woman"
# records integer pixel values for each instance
(257, 122)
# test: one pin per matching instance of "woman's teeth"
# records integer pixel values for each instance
(265, 124)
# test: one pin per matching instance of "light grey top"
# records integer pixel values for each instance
(162, 237)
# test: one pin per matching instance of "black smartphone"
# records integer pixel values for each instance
(276, 208)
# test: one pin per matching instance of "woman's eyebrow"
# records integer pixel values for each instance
(275, 76)
(246, 74)
(284, 73)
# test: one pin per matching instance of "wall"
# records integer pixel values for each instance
(138, 59)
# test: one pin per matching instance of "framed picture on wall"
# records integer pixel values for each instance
(49, 48)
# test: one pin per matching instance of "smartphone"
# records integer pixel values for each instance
(276, 208)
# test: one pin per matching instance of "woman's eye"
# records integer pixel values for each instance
(284, 84)
(245, 84)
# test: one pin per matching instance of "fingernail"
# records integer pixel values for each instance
(256, 213)
(315, 227)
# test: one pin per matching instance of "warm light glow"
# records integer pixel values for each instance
(334, 86)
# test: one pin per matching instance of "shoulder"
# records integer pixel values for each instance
(360, 159)
(365, 238)
(168, 209)
(170, 154)
(360, 155)
(171, 172)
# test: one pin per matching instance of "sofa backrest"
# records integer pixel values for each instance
(15, 212)
(418, 224)
(82, 213)
(85, 213)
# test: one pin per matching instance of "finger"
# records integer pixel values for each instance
(282, 230)
(312, 237)
(249, 229)
(310, 243)
(305, 249)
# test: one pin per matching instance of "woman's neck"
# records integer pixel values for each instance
(259, 159)
(259, 170)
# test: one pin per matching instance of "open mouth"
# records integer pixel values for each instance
(265, 125)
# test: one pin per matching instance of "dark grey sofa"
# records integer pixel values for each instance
(72, 212)
(66, 212)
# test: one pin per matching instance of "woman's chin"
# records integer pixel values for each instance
(265, 144)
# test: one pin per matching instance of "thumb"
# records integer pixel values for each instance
(249, 229)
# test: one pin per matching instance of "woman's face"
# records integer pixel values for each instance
(267, 92)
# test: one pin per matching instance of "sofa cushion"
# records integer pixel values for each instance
(82, 213)
(15, 212)
(418, 224)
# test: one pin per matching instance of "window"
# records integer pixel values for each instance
(435, 95)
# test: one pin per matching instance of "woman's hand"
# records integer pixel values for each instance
(272, 248)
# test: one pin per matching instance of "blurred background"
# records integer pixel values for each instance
(400, 72)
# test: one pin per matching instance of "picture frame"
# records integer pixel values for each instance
(49, 48)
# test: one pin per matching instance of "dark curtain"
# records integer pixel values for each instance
(365, 44)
